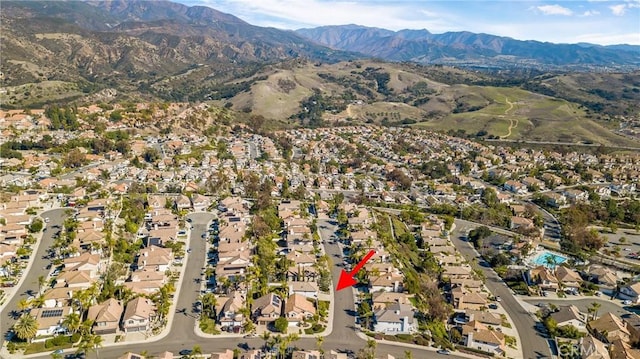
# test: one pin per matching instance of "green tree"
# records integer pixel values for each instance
(89, 343)
(26, 327)
(281, 324)
(72, 322)
(319, 341)
(36, 225)
(42, 280)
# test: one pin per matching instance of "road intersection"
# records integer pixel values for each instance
(180, 332)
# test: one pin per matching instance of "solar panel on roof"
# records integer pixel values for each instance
(51, 313)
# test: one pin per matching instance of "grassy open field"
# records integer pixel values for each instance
(517, 114)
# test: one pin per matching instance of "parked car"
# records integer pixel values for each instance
(627, 302)
(443, 352)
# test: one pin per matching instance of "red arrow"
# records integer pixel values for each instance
(346, 279)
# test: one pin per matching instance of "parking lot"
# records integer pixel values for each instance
(627, 239)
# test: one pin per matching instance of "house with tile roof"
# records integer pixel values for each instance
(570, 315)
(138, 315)
(395, 319)
(230, 314)
(478, 336)
(267, 308)
(608, 328)
(106, 316)
(297, 309)
(592, 348)
(50, 320)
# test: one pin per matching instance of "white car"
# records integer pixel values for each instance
(46, 219)
(627, 302)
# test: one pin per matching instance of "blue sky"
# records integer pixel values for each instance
(596, 21)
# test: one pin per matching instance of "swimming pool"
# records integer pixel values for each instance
(544, 258)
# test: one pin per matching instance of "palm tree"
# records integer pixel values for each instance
(319, 341)
(265, 336)
(594, 309)
(26, 327)
(408, 354)
(23, 305)
(38, 301)
(89, 343)
(196, 351)
(42, 280)
(371, 347)
(72, 322)
(209, 302)
(550, 261)
(85, 327)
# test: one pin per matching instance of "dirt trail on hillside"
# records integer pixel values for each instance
(513, 123)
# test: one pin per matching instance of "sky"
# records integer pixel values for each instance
(571, 21)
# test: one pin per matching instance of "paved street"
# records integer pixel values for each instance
(30, 284)
(533, 345)
(184, 319)
(181, 336)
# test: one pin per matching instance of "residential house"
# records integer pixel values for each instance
(227, 354)
(60, 297)
(568, 278)
(267, 308)
(544, 278)
(50, 320)
(631, 292)
(609, 328)
(84, 262)
(155, 258)
(139, 315)
(395, 319)
(297, 309)
(521, 222)
(307, 289)
(478, 336)
(621, 349)
(335, 355)
(251, 354)
(515, 187)
(386, 282)
(576, 195)
(483, 317)
(570, 315)
(556, 200)
(592, 348)
(230, 315)
(75, 279)
(106, 316)
(385, 299)
(602, 275)
(306, 354)
(632, 321)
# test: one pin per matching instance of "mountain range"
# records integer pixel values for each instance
(469, 48)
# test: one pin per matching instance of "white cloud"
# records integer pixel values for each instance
(310, 13)
(590, 13)
(555, 10)
(610, 39)
(618, 10)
